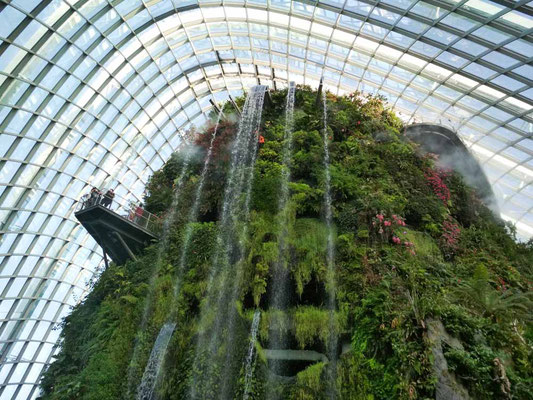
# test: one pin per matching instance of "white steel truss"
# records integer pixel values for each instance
(98, 93)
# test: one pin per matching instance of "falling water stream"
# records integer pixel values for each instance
(241, 218)
(330, 259)
(278, 296)
(162, 248)
(153, 368)
(218, 314)
(192, 217)
(248, 368)
(221, 292)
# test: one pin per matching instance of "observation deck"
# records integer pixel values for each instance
(453, 154)
(121, 231)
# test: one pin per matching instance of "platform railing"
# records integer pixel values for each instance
(131, 212)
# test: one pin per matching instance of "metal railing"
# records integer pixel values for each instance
(131, 212)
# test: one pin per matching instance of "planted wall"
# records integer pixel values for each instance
(432, 292)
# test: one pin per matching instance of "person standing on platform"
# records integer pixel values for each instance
(139, 215)
(94, 197)
(108, 198)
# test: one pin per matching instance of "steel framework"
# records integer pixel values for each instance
(99, 93)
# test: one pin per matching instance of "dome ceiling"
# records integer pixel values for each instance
(100, 93)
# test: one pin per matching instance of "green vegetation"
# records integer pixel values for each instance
(412, 242)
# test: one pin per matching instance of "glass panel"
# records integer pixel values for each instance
(150, 88)
(469, 47)
(457, 21)
(499, 59)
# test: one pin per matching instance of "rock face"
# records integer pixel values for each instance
(447, 387)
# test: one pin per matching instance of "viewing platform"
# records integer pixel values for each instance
(121, 231)
(452, 153)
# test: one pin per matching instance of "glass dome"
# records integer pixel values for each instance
(99, 93)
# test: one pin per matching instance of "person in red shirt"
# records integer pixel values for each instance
(139, 215)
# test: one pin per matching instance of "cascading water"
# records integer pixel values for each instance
(193, 213)
(235, 209)
(248, 368)
(162, 248)
(278, 297)
(330, 258)
(153, 368)
(192, 217)
(241, 219)
(287, 150)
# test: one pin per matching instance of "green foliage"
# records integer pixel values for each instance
(384, 294)
(309, 385)
(266, 185)
(308, 324)
(503, 304)
(477, 365)
(307, 199)
(262, 253)
(308, 241)
(160, 185)
(312, 324)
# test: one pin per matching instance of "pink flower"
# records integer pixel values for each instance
(380, 217)
(387, 223)
(435, 180)
(396, 240)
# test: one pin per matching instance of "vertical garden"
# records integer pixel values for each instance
(403, 285)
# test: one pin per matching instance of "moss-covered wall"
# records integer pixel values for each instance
(413, 243)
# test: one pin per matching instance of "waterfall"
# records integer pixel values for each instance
(278, 296)
(162, 248)
(250, 356)
(193, 214)
(192, 217)
(327, 196)
(330, 258)
(241, 217)
(223, 280)
(153, 368)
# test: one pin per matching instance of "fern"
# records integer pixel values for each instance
(506, 305)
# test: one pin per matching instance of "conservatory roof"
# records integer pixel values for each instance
(99, 92)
